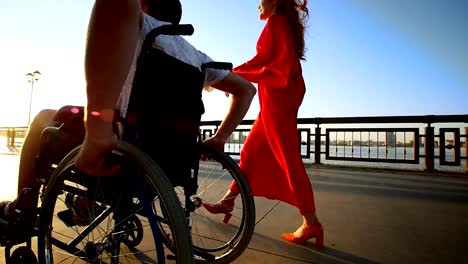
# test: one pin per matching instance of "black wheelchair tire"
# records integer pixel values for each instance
(245, 232)
(161, 183)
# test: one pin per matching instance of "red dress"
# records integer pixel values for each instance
(270, 157)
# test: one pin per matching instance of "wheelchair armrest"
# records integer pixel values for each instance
(217, 65)
(183, 29)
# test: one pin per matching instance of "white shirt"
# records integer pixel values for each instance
(177, 47)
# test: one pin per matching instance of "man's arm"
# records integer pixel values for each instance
(242, 93)
(112, 36)
(111, 41)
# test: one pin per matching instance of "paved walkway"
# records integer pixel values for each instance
(371, 217)
(368, 216)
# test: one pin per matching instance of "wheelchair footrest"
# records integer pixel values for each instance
(67, 217)
(17, 232)
(13, 237)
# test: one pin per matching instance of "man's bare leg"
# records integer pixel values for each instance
(27, 195)
(30, 149)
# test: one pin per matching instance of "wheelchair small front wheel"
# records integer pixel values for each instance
(23, 255)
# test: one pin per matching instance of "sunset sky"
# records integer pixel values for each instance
(364, 57)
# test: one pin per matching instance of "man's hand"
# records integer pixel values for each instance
(99, 141)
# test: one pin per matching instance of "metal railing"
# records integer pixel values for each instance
(430, 143)
(12, 134)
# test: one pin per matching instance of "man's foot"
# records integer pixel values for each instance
(17, 216)
(9, 210)
(84, 210)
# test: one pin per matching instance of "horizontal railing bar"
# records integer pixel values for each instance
(387, 119)
(424, 119)
(357, 120)
(371, 129)
(388, 160)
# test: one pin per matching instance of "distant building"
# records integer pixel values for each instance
(242, 137)
(390, 139)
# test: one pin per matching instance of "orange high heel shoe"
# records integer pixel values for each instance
(310, 232)
(219, 208)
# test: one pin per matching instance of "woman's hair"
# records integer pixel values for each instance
(296, 11)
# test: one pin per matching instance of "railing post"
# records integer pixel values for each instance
(466, 149)
(13, 137)
(318, 137)
(429, 148)
(8, 137)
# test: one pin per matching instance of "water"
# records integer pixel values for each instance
(398, 153)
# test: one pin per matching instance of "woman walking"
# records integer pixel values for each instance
(270, 157)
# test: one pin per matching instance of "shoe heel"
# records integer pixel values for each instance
(226, 218)
(319, 238)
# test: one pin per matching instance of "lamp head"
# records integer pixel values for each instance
(36, 75)
(33, 76)
(29, 77)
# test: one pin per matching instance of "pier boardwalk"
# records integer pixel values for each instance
(369, 216)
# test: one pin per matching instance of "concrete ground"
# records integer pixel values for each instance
(369, 216)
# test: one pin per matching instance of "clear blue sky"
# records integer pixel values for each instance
(364, 57)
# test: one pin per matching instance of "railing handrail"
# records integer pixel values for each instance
(315, 135)
(422, 119)
(15, 127)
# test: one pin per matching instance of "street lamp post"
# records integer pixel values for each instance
(32, 77)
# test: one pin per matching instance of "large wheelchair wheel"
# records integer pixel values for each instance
(213, 240)
(123, 226)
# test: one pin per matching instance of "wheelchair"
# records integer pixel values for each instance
(151, 211)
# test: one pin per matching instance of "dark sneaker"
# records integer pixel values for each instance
(17, 218)
(83, 210)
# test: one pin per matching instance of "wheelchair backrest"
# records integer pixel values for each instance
(165, 107)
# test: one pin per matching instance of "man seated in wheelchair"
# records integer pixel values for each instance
(161, 100)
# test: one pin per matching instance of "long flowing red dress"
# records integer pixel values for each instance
(270, 157)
